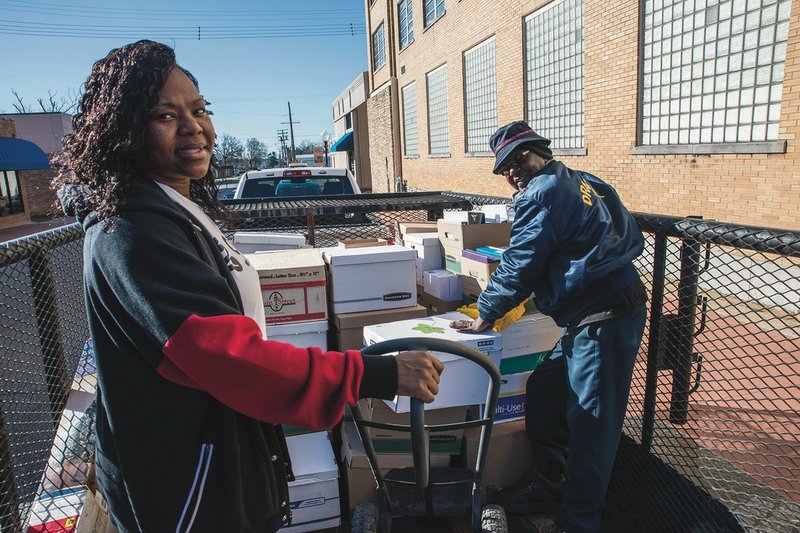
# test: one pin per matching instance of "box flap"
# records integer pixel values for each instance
(364, 318)
(312, 458)
(296, 328)
(287, 259)
(373, 254)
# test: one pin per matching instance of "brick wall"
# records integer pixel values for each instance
(381, 142)
(760, 189)
(7, 128)
(39, 199)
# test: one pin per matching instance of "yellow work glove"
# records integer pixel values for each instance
(500, 324)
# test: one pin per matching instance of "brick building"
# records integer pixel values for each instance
(33, 194)
(686, 107)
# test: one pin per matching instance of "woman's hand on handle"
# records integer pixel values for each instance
(418, 375)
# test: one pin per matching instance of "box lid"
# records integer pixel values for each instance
(364, 318)
(423, 239)
(361, 256)
(297, 328)
(287, 259)
(312, 458)
(479, 257)
(268, 238)
(437, 327)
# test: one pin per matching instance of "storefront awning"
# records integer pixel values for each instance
(19, 154)
(344, 144)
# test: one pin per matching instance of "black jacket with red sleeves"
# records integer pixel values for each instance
(189, 392)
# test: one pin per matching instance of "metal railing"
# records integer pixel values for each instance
(713, 427)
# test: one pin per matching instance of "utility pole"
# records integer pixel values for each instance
(282, 139)
(291, 129)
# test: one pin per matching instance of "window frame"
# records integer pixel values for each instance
(405, 116)
(405, 6)
(767, 146)
(563, 110)
(382, 29)
(487, 130)
(446, 112)
(426, 23)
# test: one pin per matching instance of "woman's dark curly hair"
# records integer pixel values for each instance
(103, 151)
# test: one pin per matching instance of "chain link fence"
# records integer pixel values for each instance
(713, 426)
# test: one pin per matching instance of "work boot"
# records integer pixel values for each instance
(536, 495)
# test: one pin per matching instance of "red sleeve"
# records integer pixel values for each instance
(267, 380)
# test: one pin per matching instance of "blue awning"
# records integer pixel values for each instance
(19, 154)
(344, 144)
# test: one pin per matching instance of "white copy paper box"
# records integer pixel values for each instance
(292, 284)
(302, 334)
(463, 382)
(371, 278)
(429, 252)
(248, 242)
(314, 494)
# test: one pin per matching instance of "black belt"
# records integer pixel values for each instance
(629, 299)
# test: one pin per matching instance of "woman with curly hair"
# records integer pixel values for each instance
(190, 394)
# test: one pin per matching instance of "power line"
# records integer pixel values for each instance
(185, 32)
(149, 14)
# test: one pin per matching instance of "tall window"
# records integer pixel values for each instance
(554, 73)
(10, 196)
(480, 96)
(713, 72)
(406, 23)
(378, 48)
(432, 10)
(410, 136)
(438, 132)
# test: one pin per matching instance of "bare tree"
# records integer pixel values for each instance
(229, 150)
(52, 104)
(307, 147)
(256, 153)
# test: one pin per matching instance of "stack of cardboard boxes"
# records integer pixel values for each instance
(375, 293)
(369, 285)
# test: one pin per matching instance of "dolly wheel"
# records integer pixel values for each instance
(365, 518)
(493, 519)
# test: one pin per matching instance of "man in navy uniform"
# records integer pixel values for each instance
(572, 247)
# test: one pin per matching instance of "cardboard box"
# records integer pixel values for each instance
(429, 252)
(511, 403)
(480, 271)
(370, 279)
(390, 441)
(404, 228)
(250, 242)
(303, 334)
(527, 341)
(361, 484)
(456, 236)
(361, 243)
(436, 306)
(292, 284)
(314, 494)
(470, 288)
(462, 382)
(347, 329)
(442, 284)
(508, 457)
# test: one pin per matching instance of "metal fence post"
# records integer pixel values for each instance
(684, 334)
(656, 306)
(9, 499)
(46, 308)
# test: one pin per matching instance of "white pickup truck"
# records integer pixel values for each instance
(296, 180)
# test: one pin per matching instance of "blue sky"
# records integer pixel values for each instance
(252, 57)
